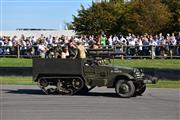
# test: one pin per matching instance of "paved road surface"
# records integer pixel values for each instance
(29, 103)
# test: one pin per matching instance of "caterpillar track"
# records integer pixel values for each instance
(61, 85)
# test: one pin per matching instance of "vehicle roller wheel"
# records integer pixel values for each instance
(60, 86)
(125, 89)
(141, 90)
(77, 83)
(69, 92)
(43, 82)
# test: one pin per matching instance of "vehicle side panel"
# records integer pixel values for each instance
(56, 67)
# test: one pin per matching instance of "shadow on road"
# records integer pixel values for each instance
(39, 92)
(99, 94)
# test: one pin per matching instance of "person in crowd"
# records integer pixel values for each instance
(64, 53)
(82, 50)
(116, 40)
(103, 41)
(132, 43)
(135, 45)
(178, 44)
(153, 45)
(139, 45)
(42, 48)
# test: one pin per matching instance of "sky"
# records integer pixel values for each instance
(44, 14)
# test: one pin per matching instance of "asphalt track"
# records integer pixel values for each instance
(29, 103)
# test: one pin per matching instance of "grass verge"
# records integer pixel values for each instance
(165, 84)
(14, 80)
(147, 63)
(15, 62)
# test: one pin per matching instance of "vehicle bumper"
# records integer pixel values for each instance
(150, 79)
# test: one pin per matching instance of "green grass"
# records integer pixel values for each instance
(13, 80)
(165, 84)
(147, 63)
(15, 62)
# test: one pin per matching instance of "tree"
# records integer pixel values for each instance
(174, 23)
(69, 26)
(117, 1)
(100, 17)
(147, 16)
(135, 16)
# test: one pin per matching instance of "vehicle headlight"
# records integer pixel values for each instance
(137, 73)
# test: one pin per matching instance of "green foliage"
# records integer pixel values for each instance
(137, 16)
(147, 16)
(101, 17)
(117, 1)
(174, 23)
(69, 26)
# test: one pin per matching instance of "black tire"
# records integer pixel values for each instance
(125, 88)
(140, 91)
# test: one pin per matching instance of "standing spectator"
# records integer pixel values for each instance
(178, 44)
(172, 45)
(139, 44)
(110, 41)
(42, 49)
(145, 45)
(1, 44)
(116, 40)
(132, 44)
(103, 41)
(50, 39)
(153, 45)
(82, 50)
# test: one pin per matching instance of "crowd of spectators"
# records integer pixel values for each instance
(131, 45)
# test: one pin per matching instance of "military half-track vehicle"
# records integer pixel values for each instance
(78, 76)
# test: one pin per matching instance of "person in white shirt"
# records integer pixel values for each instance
(153, 45)
(110, 40)
(64, 53)
(140, 44)
(115, 39)
(42, 49)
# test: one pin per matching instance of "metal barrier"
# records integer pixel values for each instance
(130, 52)
(19, 51)
(149, 51)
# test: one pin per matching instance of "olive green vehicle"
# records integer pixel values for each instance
(78, 76)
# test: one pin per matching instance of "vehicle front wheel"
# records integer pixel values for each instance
(125, 88)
